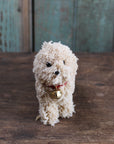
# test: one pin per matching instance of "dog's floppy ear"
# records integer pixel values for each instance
(35, 64)
(74, 64)
(77, 58)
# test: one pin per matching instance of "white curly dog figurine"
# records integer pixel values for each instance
(55, 68)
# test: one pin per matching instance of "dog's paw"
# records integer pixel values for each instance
(66, 111)
(52, 122)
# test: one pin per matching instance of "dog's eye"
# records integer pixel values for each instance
(64, 61)
(48, 64)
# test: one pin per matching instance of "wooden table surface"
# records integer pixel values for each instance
(94, 99)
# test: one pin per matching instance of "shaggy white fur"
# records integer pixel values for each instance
(55, 65)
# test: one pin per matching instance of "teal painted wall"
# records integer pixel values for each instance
(53, 21)
(10, 26)
(14, 26)
(95, 26)
(84, 25)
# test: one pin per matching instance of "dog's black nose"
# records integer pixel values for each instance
(57, 72)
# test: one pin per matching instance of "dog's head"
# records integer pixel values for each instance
(55, 64)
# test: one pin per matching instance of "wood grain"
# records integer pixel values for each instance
(94, 99)
(15, 26)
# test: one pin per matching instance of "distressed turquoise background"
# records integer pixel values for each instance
(95, 26)
(53, 21)
(10, 26)
(84, 25)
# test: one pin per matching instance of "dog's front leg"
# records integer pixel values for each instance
(66, 107)
(49, 113)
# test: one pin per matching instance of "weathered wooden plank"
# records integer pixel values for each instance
(26, 25)
(53, 21)
(95, 25)
(14, 26)
(94, 98)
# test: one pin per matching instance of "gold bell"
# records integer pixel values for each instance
(56, 94)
